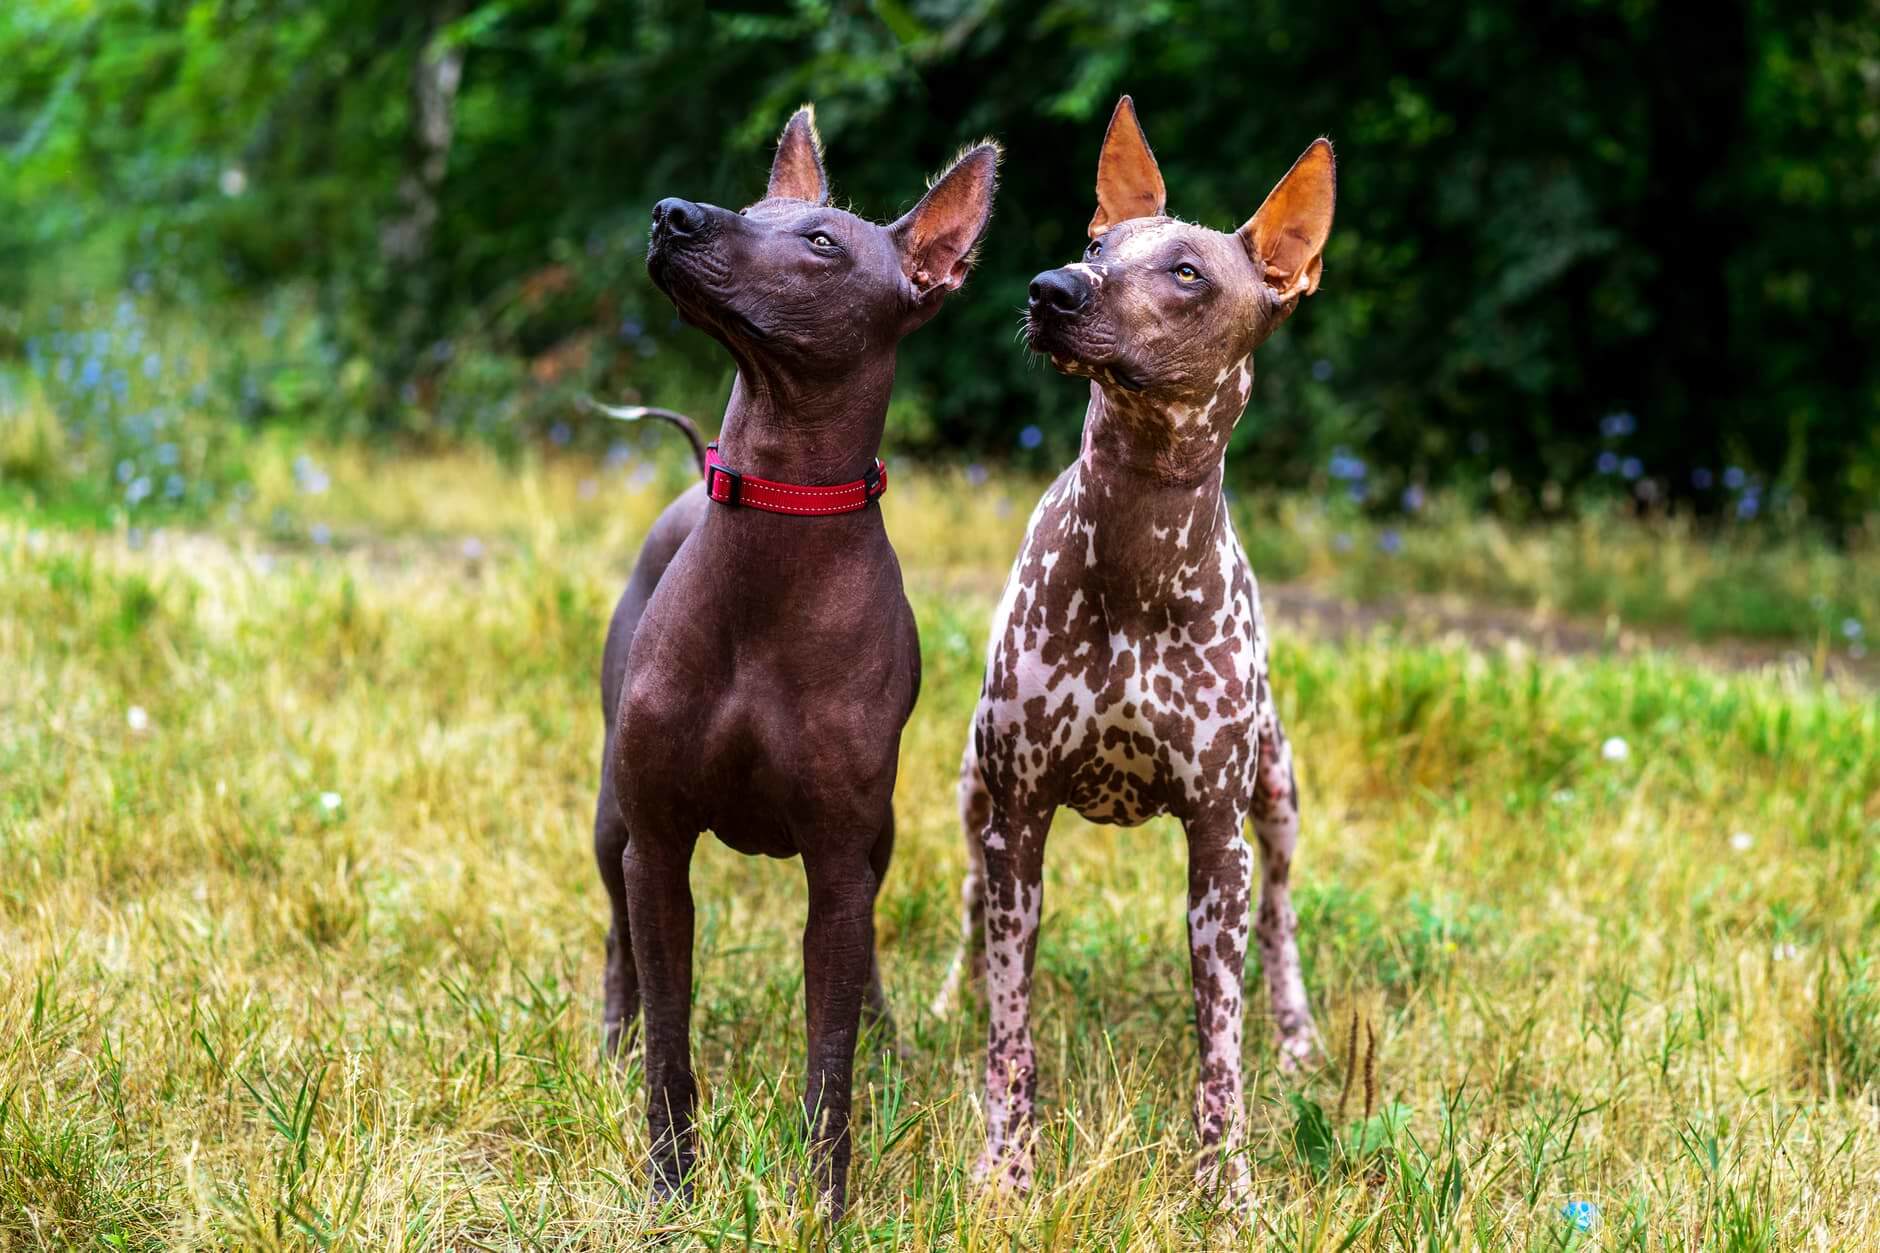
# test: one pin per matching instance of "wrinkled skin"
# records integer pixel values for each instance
(740, 629)
(1127, 674)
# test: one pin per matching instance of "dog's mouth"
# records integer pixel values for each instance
(695, 281)
(1075, 354)
(670, 262)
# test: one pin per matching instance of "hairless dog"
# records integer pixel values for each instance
(763, 659)
(1127, 672)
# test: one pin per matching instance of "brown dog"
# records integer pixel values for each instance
(1127, 675)
(763, 658)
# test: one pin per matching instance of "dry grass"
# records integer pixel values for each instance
(236, 1011)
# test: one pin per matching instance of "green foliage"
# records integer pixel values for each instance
(1610, 247)
(1845, 1044)
(1363, 1142)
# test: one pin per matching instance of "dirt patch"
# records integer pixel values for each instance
(1324, 614)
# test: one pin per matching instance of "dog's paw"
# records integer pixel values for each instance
(1007, 1168)
(665, 1191)
(1295, 1052)
(1229, 1180)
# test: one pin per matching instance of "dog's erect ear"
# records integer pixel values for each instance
(938, 235)
(797, 173)
(1129, 182)
(1286, 238)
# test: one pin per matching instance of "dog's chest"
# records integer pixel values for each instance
(1124, 694)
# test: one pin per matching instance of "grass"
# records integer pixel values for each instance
(307, 952)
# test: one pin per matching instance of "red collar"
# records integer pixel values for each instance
(728, 487)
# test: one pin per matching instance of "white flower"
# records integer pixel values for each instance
(234, 181)
(1741, 841)
(1785, 952)
(139, 720)
(472, 549)
(329, 801)
(1614, 749)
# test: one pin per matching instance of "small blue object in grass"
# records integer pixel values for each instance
(1030, 437)
(1584, 1215)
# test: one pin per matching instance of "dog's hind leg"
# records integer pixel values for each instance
(875, 1015)
(1220, 901)
(1276, 823)
(621, 982)
(969, 960)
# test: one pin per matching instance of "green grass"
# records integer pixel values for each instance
(235, 1010)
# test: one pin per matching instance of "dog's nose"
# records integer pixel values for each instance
(678, 217)
(1060, 291)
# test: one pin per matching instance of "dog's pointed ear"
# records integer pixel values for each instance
(1286, 238)
(797, 173)
(1129, 182)
(937, 236)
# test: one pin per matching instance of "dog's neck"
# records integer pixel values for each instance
(1175, 438)
(1150, 473)
(812, 434)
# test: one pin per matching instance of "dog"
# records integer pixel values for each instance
(1126, 675)
(762, 660)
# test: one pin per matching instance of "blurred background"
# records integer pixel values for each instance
(1589, 253)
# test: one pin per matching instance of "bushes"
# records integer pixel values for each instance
(1607, 250)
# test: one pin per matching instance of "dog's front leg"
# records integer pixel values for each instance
(838, 964)
(1014, 858)
(1276, 822)
(659, 901)
(1220, 896)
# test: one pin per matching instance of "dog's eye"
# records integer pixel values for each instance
(1187, 273)
(822, 240)
(1095, 249)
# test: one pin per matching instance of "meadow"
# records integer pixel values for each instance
(300, 934)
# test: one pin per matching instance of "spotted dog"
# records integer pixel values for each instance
(1127, 671)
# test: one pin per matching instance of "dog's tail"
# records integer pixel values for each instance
(633, 413)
